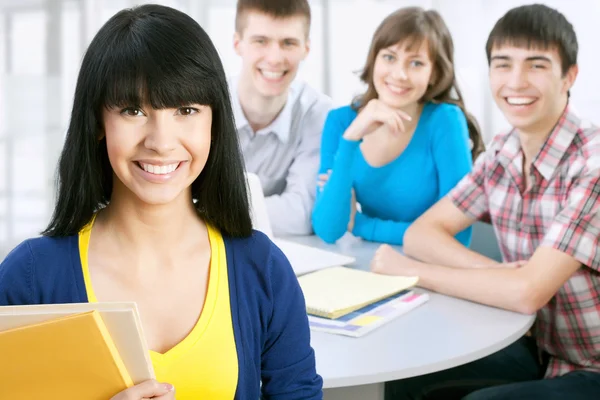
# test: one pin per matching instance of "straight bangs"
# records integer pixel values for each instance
(519, 40)
(144, 76)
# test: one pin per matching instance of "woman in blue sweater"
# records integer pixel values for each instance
(152, 208)
(404, 143)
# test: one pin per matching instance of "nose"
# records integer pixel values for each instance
(160, 137)
(274, 55)
(399, 72)
(517, 78)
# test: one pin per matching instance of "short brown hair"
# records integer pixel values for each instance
(273, 8)
(413, 26)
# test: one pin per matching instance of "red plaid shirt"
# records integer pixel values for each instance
(561, 209)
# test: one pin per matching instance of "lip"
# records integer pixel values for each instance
(273, 80)
(396, 89)
(520, 108)
(155, 178)
(158, 162)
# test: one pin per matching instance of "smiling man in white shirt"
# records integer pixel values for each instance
(279, 120)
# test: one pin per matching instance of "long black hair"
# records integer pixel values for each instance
(159, 56)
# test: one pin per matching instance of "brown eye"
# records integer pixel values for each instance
(132, 112)
(187, 111)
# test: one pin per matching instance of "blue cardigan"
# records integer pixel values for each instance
(394, 195)
(270, 324)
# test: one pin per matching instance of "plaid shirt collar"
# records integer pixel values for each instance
(510, 155)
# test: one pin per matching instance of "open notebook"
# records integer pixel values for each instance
(337, 291)
(303, 258)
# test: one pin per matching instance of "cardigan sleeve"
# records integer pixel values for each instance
(16, 276)
(288, 360)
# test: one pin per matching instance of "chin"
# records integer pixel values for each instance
(157, 198)
(272, 91)
(520, 123)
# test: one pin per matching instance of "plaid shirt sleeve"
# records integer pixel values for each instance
(469, 195)
(576, 229)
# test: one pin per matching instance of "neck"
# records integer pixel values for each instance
(533, 138)
(146, 229)
(260, 111)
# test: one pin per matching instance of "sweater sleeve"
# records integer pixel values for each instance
(16, 276)
(288, 360)
(379, 230)
(331, 213)
(451, 153)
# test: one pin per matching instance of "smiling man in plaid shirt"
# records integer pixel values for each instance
(539, 185)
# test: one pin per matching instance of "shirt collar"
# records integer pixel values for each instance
(280, 126)
(552, 151)
(557, 144)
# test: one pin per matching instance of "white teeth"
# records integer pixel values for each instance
(271, 74)
(159, 169)
(520, 101)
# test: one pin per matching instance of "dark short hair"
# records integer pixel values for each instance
(536, 26)
(159, 56)
(273, 8)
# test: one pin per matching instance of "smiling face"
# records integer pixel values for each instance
(529, 86)
(271, 50)
(156, 155)
(402, 74)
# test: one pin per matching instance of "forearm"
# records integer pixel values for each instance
(378, 230)
(332, 209)
(447, 250)
(498, 287)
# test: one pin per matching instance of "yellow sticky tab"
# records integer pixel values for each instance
(366, 320)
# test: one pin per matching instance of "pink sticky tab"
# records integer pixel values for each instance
(410, 298)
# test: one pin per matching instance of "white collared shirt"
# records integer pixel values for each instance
(285, 155)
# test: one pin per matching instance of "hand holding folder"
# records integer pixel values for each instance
(147, 390)
(71, 351)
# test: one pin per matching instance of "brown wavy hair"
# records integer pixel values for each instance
(412, 26)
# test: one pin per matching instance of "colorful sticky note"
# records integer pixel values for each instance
(366, 320)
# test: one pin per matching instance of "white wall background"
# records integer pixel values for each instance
(42, 42)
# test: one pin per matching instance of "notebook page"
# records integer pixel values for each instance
(340, 289)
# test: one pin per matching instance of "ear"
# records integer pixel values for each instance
(569, 78)
(236, 43)
(306, 48)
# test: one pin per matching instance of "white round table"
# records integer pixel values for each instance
(442, 333)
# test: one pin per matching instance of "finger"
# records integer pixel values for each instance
(403, 115)
(393, 124)
(168, 396)
(401, 127)
(150, 389)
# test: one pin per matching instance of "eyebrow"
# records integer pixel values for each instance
(532, 58)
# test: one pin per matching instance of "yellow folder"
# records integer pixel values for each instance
(66, 358)
(121, 319)
(337, 291)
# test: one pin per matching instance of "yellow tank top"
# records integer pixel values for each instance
(204, 364)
